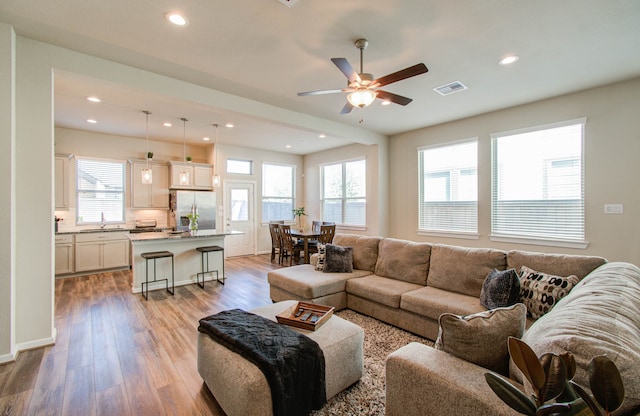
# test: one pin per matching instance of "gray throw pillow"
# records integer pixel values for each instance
(338, 259)
(481, 338)
(500, 289)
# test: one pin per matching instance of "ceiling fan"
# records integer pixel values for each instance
(362, 88)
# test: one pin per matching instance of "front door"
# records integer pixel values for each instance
(239, 216)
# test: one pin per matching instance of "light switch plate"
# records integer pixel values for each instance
(613, 209)
(288, 3)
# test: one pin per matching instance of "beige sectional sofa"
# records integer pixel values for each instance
(409, 285)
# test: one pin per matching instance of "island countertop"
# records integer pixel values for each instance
(173, 235)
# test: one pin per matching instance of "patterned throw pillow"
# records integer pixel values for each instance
(481, 338)
(541, 291)
(322, 255)
(501, 288)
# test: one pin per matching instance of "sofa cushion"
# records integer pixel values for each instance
(403, 260)
(541, 291)
(307, 283)
(380, 289)
(601, 315)
(432, 302)
(462, 269)
(338, 259)
(365, 249)
(500, 289)
(558, 264)
(482, 338)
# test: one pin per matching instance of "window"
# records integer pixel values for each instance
(244, 167)
(448, 191)
(277, 192)
(537, 189)
(100, 191)
(344, 193)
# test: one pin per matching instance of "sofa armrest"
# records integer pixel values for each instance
(421, 380)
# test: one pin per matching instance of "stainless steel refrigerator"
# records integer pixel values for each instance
(183, 203)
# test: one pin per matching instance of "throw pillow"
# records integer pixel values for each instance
(481, 338)
(321, 257)
(501, 288)
(338, 259)
(541, 291)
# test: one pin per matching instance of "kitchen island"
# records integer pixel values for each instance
(186, 258)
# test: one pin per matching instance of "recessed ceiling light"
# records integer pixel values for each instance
(92, 121)
(94, 99)
(229, 125)
(509, 59)
(206, 139)
(167, 124)
(288, 146)
(176, 18)
(322, 136)
(386, 102)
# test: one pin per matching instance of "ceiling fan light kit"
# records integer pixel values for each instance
(363, 89)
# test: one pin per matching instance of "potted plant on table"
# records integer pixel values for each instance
(299, 212)
(193, 221)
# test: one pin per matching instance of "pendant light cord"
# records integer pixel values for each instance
(147, 112)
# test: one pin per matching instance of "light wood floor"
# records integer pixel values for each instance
(117, 354)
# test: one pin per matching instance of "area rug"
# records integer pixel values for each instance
(366, 397)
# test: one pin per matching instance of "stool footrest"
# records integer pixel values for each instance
(205, 269)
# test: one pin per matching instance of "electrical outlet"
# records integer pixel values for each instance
(288, 3)
(613, 208)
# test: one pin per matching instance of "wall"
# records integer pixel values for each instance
(377, 172)
(8, 191)
(611, 151)
(224, 152)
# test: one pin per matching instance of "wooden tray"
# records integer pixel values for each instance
(287, 317)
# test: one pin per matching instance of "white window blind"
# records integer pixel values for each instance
(448, 188)
(538, 183)
(100, 191)
(344, 192)
(278, 184)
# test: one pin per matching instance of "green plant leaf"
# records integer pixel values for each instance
(527, 361)
(556, 376)
(553, 408)
(510, 394)
(570, 362)
(606, 383)
(597, 411)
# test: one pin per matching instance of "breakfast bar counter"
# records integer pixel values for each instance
(187, 260)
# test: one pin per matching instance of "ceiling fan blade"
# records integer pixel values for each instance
(347, 108)
(345, 67)
(320, 92)
(412, 71)
(394, 98)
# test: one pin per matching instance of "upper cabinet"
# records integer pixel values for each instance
(62, 184)
(154, 195)
(200, 175)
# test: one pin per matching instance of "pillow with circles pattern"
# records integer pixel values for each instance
(541, 291)
(322, 257)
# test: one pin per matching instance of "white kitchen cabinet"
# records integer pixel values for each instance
(200, 175)
(62, 183)
(154, 195)
(64, 254)
(101, 250)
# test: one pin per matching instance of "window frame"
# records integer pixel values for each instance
(343, 198)
(542, 240)
(293, 191)
(80, 190)
(470, 233)
(250, 162)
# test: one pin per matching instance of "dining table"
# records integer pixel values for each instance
(305, 236)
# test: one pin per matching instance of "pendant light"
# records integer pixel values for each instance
(184, 175)
(216, 177)
(147, 173)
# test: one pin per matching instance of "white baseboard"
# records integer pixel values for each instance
(7, 358)
(37, 343)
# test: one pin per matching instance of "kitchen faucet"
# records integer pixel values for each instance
(102, 220)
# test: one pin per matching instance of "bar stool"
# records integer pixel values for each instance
(205, 254)
(154, 255)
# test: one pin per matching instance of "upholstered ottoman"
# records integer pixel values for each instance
(242, 389)
(304, 283)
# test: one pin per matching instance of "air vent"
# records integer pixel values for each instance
(288, 3)
(450, 88)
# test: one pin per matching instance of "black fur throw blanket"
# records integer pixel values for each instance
(292, 363)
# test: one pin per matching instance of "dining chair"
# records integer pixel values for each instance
(327, 232)
(315, 226)
(290, 244)
(276, 247)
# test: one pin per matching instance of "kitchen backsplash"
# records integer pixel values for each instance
(68, 222)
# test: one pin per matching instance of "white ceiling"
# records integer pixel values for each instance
(267, 52)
